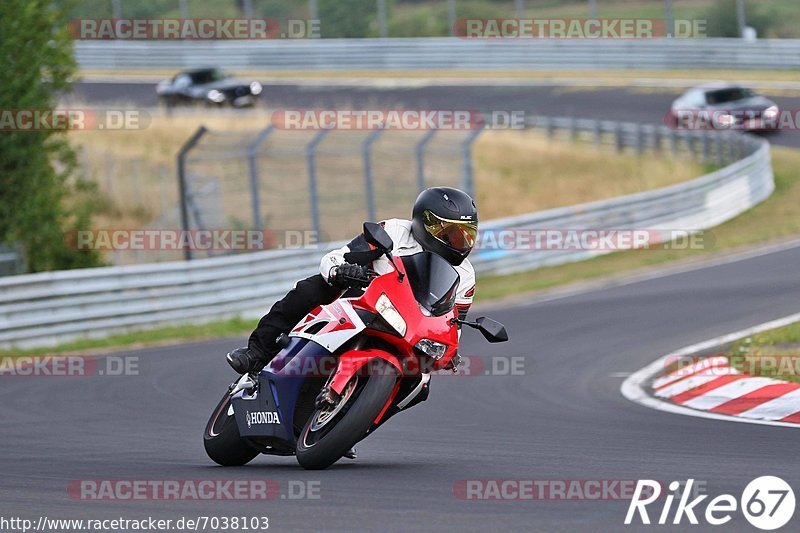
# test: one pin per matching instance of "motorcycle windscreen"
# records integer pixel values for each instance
(433, 280)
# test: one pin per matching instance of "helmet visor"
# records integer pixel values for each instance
(459, 235)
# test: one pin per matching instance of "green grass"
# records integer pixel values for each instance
(167, 335)
(774, 353)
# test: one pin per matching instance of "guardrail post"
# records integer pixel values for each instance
(467, 181)
(420, 150)
(706, 147)
(620, 142)
(691, 138)
(313, 195)
(726, 149)
(639, 139)
(252, 166)
(673, 142)
(598, 133)
(550, 127)
(182, 186)
(739, 147)
(657, 139)
(366, 149)
(573, 129)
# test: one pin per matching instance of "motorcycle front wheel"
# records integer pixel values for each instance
(330, 432)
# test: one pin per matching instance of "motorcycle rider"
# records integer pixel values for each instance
(444, 221)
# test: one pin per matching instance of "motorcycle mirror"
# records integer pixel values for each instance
(377, 237)
(492, 330)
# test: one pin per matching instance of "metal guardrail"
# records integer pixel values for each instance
(10, 261)
(702, 203)
(442, 53)
(47, 308)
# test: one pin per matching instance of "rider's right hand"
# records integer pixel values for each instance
(348, 275)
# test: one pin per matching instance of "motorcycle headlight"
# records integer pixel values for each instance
(390, 314)
(431, 348)
(255, 88)
(215, 96)
(770, 112)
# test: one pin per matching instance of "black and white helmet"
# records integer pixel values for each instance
(445, 222)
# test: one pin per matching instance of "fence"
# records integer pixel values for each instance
(135, 191)
(47, 308)
(325, 182)
(443, 54)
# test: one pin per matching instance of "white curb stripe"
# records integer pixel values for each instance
(689, 370)
(780, 407)
(634, 389)
(728, 392)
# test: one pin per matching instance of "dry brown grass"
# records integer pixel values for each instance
(136, 171)
(541, 174)
(162, 138)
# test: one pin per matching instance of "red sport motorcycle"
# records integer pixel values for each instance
(348, 366)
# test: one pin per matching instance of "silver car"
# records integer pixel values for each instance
(722, 105)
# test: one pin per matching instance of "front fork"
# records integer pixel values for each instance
(348, 365)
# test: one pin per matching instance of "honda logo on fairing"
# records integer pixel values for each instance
(262, 417)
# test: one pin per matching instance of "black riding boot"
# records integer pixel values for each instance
(282, 317)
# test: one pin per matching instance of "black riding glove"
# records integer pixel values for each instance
(347, 275)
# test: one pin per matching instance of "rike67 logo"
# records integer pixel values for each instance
(767, 503)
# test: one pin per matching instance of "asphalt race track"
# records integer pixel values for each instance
(635, 105)
(564, 419)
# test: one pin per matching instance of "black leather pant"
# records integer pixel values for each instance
(287, 312)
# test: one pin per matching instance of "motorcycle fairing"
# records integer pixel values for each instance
(278, 389)
(330, 325)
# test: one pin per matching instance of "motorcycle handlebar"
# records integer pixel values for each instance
(359, 281)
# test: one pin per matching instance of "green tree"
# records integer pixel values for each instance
(723, 20)
(347, 18)
(40, 201)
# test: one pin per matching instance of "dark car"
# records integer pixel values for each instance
(210, 86)
(724, 106)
